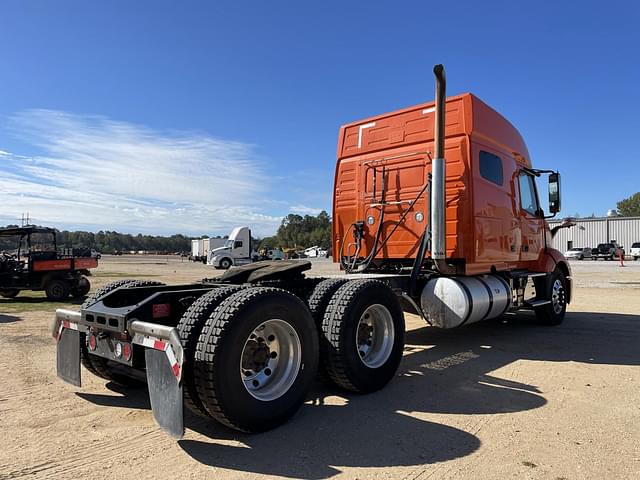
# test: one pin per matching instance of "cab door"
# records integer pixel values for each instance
(531, 221)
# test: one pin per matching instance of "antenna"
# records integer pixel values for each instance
(25, 219)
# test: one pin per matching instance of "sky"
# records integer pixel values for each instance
(195, 116)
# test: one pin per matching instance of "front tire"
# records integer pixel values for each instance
(364, 329)
(225, 264)
(256, 359)
(555, 290)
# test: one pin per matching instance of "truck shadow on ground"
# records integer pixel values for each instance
(443, 372)
(8, 318)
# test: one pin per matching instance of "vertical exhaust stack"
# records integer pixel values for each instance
(438, 172)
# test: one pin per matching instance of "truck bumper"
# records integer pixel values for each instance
(163, 358)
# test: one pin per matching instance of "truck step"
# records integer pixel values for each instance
(537, 303)
(539, 274)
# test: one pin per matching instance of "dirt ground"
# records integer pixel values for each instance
(500, 399)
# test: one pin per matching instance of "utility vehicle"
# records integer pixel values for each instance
(455, 241)
(35, 264)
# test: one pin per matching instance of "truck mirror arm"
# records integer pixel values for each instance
(537, 172)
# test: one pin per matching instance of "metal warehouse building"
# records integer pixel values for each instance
(589, 232)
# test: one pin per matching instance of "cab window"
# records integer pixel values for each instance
(237, 244)
(528, 198)
(491, 167)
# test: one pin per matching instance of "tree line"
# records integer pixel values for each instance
(630, 207)
(295, 231)
(110, 241)
(298, 232)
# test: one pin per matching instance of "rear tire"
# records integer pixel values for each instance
(57, 289)
(189, 328)
(247, 382)
(9, 293)
(364, 331)
(318, 302)
(554, 289)
(82, 288)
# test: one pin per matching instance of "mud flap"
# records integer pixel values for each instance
(68, 356)
(165, 393)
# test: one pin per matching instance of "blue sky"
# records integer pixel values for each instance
(98, 100)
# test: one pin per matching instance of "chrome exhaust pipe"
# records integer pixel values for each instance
(438, 172)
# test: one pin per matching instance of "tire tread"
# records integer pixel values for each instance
(212, 337)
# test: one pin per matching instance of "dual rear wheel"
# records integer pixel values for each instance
(253, 357)
(258, 348)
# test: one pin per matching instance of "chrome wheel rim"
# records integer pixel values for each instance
(375, 335)
(558, 296)
(270, 360)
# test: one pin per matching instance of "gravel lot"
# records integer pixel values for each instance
(497, 399)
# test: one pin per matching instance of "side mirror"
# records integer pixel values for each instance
(554, 193)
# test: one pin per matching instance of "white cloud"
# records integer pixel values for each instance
(97, 173)
(304, 210)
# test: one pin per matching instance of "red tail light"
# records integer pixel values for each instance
(93, 342)
(126, 351)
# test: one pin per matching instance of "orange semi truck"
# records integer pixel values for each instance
(435, 212)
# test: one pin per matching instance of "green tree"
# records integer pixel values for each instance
(296, 231)
(630, 207)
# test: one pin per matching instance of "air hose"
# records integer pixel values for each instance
(358, 266)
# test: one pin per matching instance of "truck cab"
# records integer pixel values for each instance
(236, 250)
(494, 217)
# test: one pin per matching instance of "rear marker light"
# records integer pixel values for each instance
(93, 342)
(126, 351)
(117, 349)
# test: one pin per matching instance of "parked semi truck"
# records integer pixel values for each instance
(435, 212)
(237, 250)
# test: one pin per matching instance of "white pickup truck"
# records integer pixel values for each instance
(237, 250)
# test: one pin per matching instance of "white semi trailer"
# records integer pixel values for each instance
(200, 248)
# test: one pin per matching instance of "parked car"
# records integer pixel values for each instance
(312, 252)
(579, 253)
(315, 252)
(635, 250)
(607, 251)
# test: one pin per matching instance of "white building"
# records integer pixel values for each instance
(589, 232)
